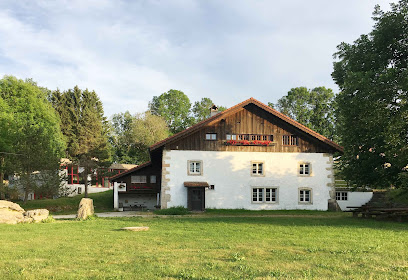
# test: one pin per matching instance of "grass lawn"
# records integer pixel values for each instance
(103, 202)
(209, 247)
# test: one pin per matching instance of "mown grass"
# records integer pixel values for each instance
(206, 248)
(244, 212)
(103, 202)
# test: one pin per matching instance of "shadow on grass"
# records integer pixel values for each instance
(336, 222)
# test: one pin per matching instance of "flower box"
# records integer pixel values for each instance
(248, 143)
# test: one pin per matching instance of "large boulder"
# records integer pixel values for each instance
(11, 213)
(37, 215)
(85, 209)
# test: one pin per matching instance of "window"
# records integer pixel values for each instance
(341, 195)
(231, 137)
(140, 179)
(194, 167)
(305, 169)
(270, 194)
(289, 140)
(153, 179)
(266, 195)
(79, 190)
(257, 195)
(257, 169)
(305, 196)
(211, 136)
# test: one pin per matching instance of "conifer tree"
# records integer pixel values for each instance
(85, 129)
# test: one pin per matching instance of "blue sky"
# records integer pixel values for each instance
(130, 51)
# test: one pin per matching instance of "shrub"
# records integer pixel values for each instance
(179, 210)
(49, 219)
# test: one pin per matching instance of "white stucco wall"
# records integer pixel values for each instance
(356, 199)
(230, 173)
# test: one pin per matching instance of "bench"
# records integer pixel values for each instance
(369, 212)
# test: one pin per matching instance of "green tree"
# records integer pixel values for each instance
(85, 129)
(132, 135)
(174, 106)
(123, 147)
(37, 142)
(372, 113)
(7, 129)
(201, 109)
(313, 108)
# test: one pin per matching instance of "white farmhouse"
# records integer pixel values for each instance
(249, 156)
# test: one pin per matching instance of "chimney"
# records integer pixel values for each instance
(213, 110)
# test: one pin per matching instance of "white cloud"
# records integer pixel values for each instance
(130, 51)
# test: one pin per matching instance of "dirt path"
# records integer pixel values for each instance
(144, 215)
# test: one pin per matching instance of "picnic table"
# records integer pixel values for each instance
(379, 212)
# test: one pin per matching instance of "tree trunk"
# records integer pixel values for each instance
(86, 182)
(25, 196)
(2, 195)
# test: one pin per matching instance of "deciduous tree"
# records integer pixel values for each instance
(313, 108)
(174, 106)
(201, 109)
(37, 142)
(372, 113)
(134, 134)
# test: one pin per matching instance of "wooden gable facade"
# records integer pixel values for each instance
(250, 127)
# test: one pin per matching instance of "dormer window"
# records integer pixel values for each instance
(211, 136)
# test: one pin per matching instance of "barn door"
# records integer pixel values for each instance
(196, 199)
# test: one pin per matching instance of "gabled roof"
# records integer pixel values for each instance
(131, 170)
(236, 108)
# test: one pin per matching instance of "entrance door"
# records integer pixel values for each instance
(196, 199)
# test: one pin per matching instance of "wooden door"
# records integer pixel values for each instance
(196, 199)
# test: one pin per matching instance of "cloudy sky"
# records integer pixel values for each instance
(130, 51)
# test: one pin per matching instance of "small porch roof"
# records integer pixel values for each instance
(196, 184)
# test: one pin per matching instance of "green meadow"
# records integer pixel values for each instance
(207, 247)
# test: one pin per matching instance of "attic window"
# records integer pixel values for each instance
(289, 140)
(211, 136)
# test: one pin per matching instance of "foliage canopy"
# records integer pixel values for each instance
(372, 74)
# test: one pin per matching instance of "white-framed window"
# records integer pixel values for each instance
(211, 136)
(257, 194)
(305, 196)
(264, 195)
(341, 195)
(152, 179)
(305, 169)
(257, 168)
(138, 179)
(271, 194)
(195, 167)
(289, 140)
